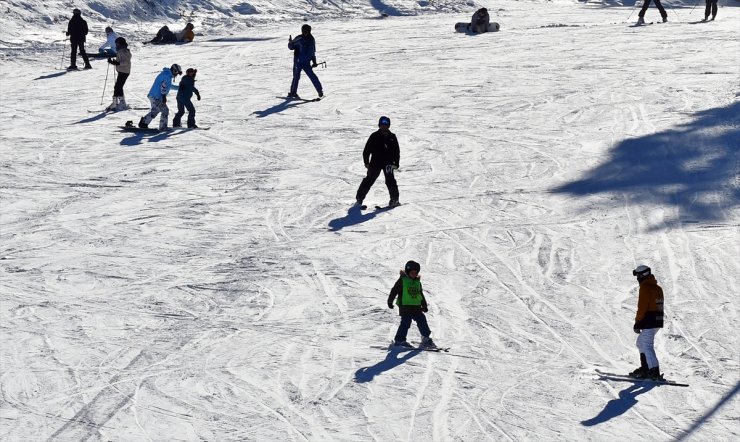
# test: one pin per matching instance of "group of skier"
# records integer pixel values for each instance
(710, 9)
(380, 155)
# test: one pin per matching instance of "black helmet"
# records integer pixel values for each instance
(412, 265)
(76, 11)
(384, 121)
(122, 41)
(306, 28)
(108, 30)
(642, 272)
(176, 69)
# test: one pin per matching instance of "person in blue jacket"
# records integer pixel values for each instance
(304, 59)
(158, 97)
(184, 99)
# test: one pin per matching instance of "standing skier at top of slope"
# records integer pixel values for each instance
(77, 31)
(304, 59)
(648, 320)
(641, 14)
(411, 306)
(381, 154)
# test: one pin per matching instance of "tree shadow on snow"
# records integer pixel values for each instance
(692, 167)
(56, 74)
(286, 104)
(354, 216)
(392, 360)
(617, 407)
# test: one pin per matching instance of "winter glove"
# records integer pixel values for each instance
(390, 305)
(367, 165)
(389, 169)
(198, 96)
(424, 308)
(164, 99)
(313, 65)
(636, 330)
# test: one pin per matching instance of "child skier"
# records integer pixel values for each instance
(411, 305)
(184, 99)
(158, 97)
(648, 321)
(381, 154)
(123, 67)
(304, 59)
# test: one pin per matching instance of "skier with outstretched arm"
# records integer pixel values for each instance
(304, 59)
(409, 297)
(381, 154)
(184, 99)
(158, 97)
(648, 320)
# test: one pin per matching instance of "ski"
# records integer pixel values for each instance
(383, 208)
(304, 100)
(114, 111)
(627, 378)
(412, 348)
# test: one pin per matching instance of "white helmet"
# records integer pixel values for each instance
(642, 272)
(176, 69)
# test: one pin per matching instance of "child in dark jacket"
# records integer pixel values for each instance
(411, 305)
(184, 99)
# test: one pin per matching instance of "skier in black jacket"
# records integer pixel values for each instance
(77, 30)
(381, 154)
(645, 6)
(184, 99)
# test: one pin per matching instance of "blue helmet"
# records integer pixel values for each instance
(384, 121)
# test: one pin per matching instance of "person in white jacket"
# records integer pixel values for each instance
(109, 47)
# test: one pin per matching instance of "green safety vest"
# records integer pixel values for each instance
(411, 292)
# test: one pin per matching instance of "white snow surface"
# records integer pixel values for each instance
(212, 285)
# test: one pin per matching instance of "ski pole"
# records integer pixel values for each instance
(692, 9)
(105, 84)
(322, 64)
(64, 49)
(633, 10)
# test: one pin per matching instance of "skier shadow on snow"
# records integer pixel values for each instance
(354, 216)
(286, 104)
(617, 407)
(392, 360)
(91, 119)
(138, 137)
(54, 75)
(692, 167)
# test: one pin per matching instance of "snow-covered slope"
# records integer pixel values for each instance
(212, 285)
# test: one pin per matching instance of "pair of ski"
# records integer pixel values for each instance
(155, 130)
(304, 100)
(412, 348)
(378, 208)
(628, 378)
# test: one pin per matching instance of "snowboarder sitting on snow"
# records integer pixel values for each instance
(123, 67)
(648, 321)
(381, 153)
(186, 35)
(411, 304)
(77, 30)
(480, 21)
(184, 95)
(641, 14)
(304, 59)
(158, 97)
(109, 47)
(164, 36)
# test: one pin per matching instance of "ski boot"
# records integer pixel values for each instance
(143, 124)
(403, 344)
(665, 19)
(639, 373)
(427, 342)
(113, 106)
(292, 95)
(654, 374)
(393, 203)
(72, 68)
(640, 21)
(121, 104)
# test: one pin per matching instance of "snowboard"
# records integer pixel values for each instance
(627, 378)
(465, 27)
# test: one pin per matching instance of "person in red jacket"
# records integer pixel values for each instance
(411, 306)
(648, 320)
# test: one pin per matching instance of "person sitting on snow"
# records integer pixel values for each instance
(186, 35)
(480, 21)
(164, 36)
(109, 47)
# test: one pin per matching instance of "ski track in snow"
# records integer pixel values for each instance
(213, 286)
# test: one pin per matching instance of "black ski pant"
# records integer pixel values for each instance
(373, 173)
(120, 81)
(710, 9)
(403, 327)
(81, 45)
(647, 4)
(181, 106)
